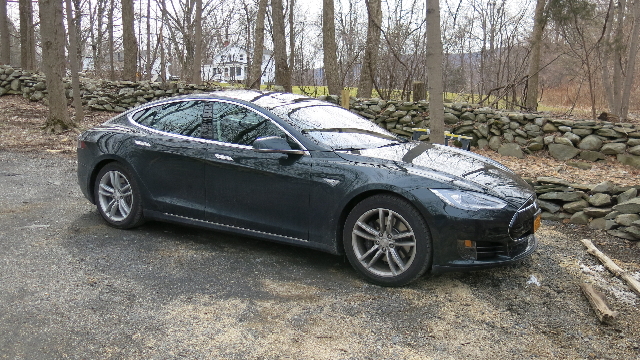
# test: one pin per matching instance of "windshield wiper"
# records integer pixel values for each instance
(353, 131)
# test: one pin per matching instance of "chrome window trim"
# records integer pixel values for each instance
(208, 141)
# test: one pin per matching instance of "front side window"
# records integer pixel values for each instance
(239, 125)
(182, 118)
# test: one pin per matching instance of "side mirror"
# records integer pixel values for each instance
(274, 144)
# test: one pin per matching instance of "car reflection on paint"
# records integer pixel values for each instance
(297, 170)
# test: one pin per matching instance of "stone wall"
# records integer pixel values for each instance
(509, 133)
(512, 133)
(604, 206)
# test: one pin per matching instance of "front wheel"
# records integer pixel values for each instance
(117, 197)
(387, 241)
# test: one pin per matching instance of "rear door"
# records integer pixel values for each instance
(169, 159)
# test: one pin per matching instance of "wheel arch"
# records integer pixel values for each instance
(100, 164)
(362, 196)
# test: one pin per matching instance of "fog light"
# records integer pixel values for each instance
(467, 249)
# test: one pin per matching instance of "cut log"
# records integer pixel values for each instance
(613, 267)
(598, 304)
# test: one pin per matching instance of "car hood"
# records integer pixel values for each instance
(452, 166)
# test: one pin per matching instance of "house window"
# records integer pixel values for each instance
(221, 58)
(241, 56)
(226, 71)
(238, 71)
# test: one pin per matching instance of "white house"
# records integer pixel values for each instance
(231, 65)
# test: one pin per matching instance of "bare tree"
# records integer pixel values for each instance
(283, 72)
(197, 57)
(112, 71)
(365, 85)
(434, 72)
(73, 61)
(631, 62)
(329, 48)
(5, 39)
(129, 41)
(539, 22)
(27, 36)
(52, 34)
(258, 47)
(292, 36)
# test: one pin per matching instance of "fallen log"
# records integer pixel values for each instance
(598, 304)
(613, 267)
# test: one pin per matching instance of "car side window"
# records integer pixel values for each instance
(181, 117)
(239, 125)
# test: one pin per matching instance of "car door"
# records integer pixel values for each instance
(263, 192)
(169, 158)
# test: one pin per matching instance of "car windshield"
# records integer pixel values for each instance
(341, 129)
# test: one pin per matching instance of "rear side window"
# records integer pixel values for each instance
(182, 118)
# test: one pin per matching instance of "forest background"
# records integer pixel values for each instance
(567, 56)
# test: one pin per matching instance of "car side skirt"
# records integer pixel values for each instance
(182, 220)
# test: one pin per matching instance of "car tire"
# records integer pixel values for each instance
(394, 254)
(118, 197)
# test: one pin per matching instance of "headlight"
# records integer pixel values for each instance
(468, 200)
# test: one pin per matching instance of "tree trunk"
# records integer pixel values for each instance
(197, 57)
(617, 58)
(631, 62)
(283, 72)
(5, 36)
(129, 41)
(52, 34)
(292, 37)
(539, 23)
(434, 72)
(331, 74)
(27, 36)
(365, 84)
(605, 56)
(73, 64)
(258, 46)
(112, 70)
(148, 59)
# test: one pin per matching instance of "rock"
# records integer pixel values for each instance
(597, 212)
(612, 215)
(450, 119)
(598, 224)
(549, 206)
(634, 231)
(631, 160)
(549, 128)
(15, 85)
(613, 148)
(548, 139)
(563, 196)
(554, 216)
(633, 142)
(635, 150)
(580, 165)
(609, 133)
(590, 142)
(467, 116)
(575, 206)
(552, 180)
(511, 150)
(610, 225)
(621, 234)
(575, 139)
(535, 146)
(627, 219)
(604, 187)
(563, 152)
(563, 141)
(483, 143)
(582, 132)
(627, 195)
(36, 96)
(579, 218)
(628, 207)
(564, 129)
(600, 199)
(591, 155)
(495, 143)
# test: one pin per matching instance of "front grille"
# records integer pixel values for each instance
(522, 221)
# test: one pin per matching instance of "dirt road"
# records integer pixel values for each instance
(72, 287)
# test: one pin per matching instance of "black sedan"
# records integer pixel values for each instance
(301, 171)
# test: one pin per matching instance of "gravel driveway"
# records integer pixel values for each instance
(72, 287)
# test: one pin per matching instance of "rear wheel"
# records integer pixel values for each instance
(117, 197)
(387, 241)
